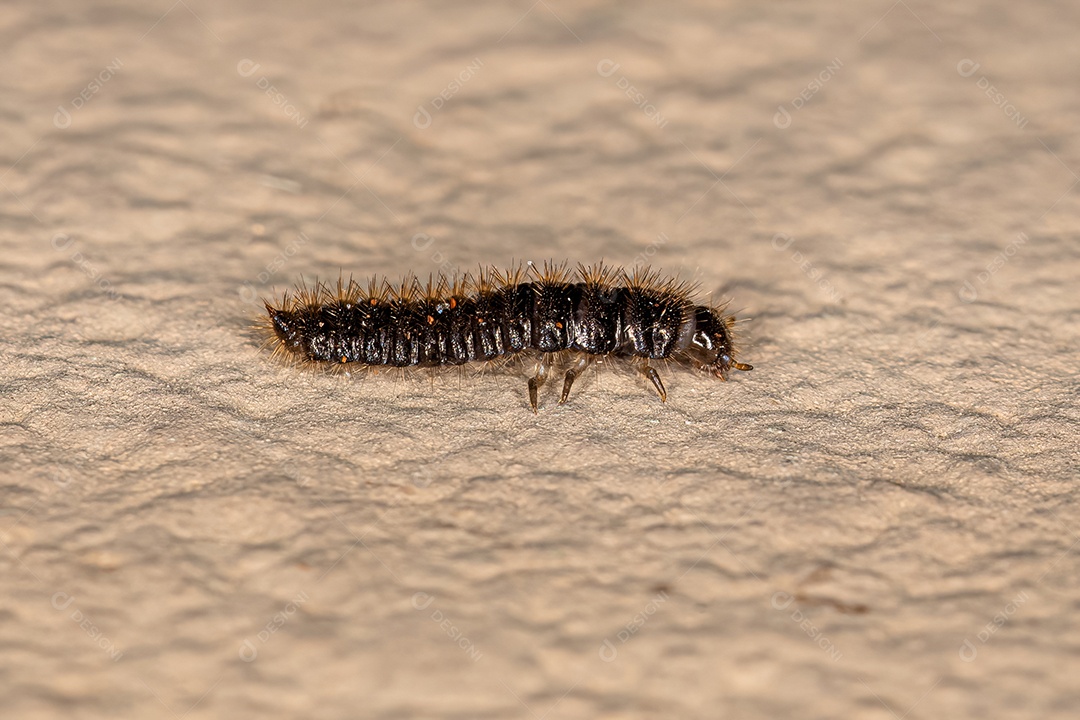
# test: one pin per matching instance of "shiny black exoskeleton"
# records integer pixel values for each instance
(589, 320)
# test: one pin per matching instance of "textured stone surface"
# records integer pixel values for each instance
(831, 535)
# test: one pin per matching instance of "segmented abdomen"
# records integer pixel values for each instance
(549, 317)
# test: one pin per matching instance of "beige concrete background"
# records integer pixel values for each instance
(879, 521)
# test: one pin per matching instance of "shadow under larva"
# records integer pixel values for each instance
(564, 320)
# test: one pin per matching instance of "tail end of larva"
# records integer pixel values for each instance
(270, 328)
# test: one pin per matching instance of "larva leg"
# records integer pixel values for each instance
(572, 374)
(542, 367)
(654, 377)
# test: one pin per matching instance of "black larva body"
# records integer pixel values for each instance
(599, 313)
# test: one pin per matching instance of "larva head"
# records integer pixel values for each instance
(711, 344)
